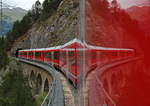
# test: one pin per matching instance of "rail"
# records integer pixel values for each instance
(55, 96)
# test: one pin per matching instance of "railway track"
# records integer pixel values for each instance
(61, 92)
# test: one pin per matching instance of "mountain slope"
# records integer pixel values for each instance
(14, 13)
(58, 29)
(142, 15)
(9, 16)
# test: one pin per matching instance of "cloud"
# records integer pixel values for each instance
(25, 4)
(129, 3)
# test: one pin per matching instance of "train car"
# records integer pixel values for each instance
(70, 54)
(99, 56)
(71, 57)
(17, 52)
(23, 54)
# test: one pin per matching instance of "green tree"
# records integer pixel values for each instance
(36, 14)
(49, 7)
(38, 9)
(115, 5)
(46, 9)
(3, 53)
(15, 90)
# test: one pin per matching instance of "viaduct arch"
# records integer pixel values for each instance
(39, 79)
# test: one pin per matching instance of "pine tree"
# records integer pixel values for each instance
(15, 90)
(49, 7)
(115, 6)
(3, 53)
(46, 6)
(36, 10)
(46, 9)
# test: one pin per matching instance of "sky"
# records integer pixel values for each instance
(129, 3)
(25, 4)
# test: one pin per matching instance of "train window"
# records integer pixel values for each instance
(20, 53)
(79, 58)
(56, 55)
(37, 54)
(103, 54)
(25, 53)
(71, 57)
(48, 55)
(129, 52)
(122, 53)
(114, 53)
(30, 54)
(93, 55)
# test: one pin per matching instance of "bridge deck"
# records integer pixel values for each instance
(55, 96)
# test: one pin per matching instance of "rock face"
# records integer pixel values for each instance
(63, 26)
(105, 28)
(58, 29)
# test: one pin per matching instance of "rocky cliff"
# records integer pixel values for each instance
(58, 29)
(63, 26)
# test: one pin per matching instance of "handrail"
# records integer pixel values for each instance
(55, 96)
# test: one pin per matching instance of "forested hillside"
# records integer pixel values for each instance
(14, 86)
(48, 24)
(9, 16)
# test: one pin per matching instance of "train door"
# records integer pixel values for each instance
(42, 56)
(93, 58)
(103, 57)
(33, 55)
(63, 61)
(121, 54)
(30, 55)
(99, 61)
(19, 54)
(48, 57)
(52, 58)
(25, 55)
(38, 55)
(67, 65)
(56, 58)
(72, 62)
(113, 55)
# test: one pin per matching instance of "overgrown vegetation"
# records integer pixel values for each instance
(40, 98)
(39, 12)
(3, 54)
(15, 90)
(112, 14)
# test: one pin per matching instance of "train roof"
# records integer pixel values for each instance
(76, 43)
(41, 49)
(70, 45)
(104, 48)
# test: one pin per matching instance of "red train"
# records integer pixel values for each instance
(70, 57)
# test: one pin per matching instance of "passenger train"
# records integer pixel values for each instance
(70, 57)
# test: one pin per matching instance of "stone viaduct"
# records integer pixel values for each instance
(39, 79)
